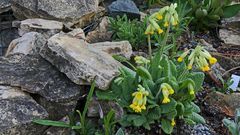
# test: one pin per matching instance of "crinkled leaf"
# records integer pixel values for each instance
(166, 126)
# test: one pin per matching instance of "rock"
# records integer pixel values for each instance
(122, 48)
(79, 62)
(121, 7)
(17, 110)
(5, 6)
(230, 32)
(6, 37)
(79, 12)
(77, 33)
(226, 103)
(27, 44)
(59, 109)
(46, 27)
(101, 33)
(35, 75)
(209, 47)
(100, 108)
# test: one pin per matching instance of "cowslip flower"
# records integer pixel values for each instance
(191, 89)
(181, 57)
(140, 99)
(173, 123)
(166, 91)
(166, 16)
(200, 56)
(141, 60)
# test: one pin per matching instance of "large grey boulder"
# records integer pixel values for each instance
(5, 5)
(52, 89)
(17, 110)
(27, 44)
(69, 11)
(79, 62)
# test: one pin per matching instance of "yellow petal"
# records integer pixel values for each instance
(180, 59)
(212, 60)
(173, 123)
(165, 100)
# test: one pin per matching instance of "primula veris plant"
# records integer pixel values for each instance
(158, 90)
(233, 126)
(200, 56)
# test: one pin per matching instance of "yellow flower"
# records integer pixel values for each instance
(171, 91)
(166, 91)
(175, 23)
(212, 60)
(205, 68)
(173, 123)
(160, 31)
(189, 67)
(159, 16)
(183, 55)
(139, 95)
(166, 24)
(165, 100)
(191, 92)
(180, 59)
(139, 100)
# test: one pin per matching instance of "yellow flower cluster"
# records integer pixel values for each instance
(141, 60)
(200, 56)
(170, 17)
(140, 99)
(166, 91)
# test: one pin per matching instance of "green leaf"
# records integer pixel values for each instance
(52, 123)
(166, 126)
(143, 72)
(231, 10)
(139, 121)
(195, 108)
(166, 108)
(198, 78)
(120, 58)
(154, 114)
(147, 126)
(196, 118)
(232, 127)
(180, 109)
(166, 67)
(106, 95)
(171, 114)
(120, 132)
(189, 121)
(173, 69)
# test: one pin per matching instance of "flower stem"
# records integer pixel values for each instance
(149, 47)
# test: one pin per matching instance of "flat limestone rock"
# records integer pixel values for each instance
(27, 44)
(17, 110)
(79, 62)
(122, 48)
(46, 27)
(73, 11)
(35, 75)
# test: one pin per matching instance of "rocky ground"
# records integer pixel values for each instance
(50, 53)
